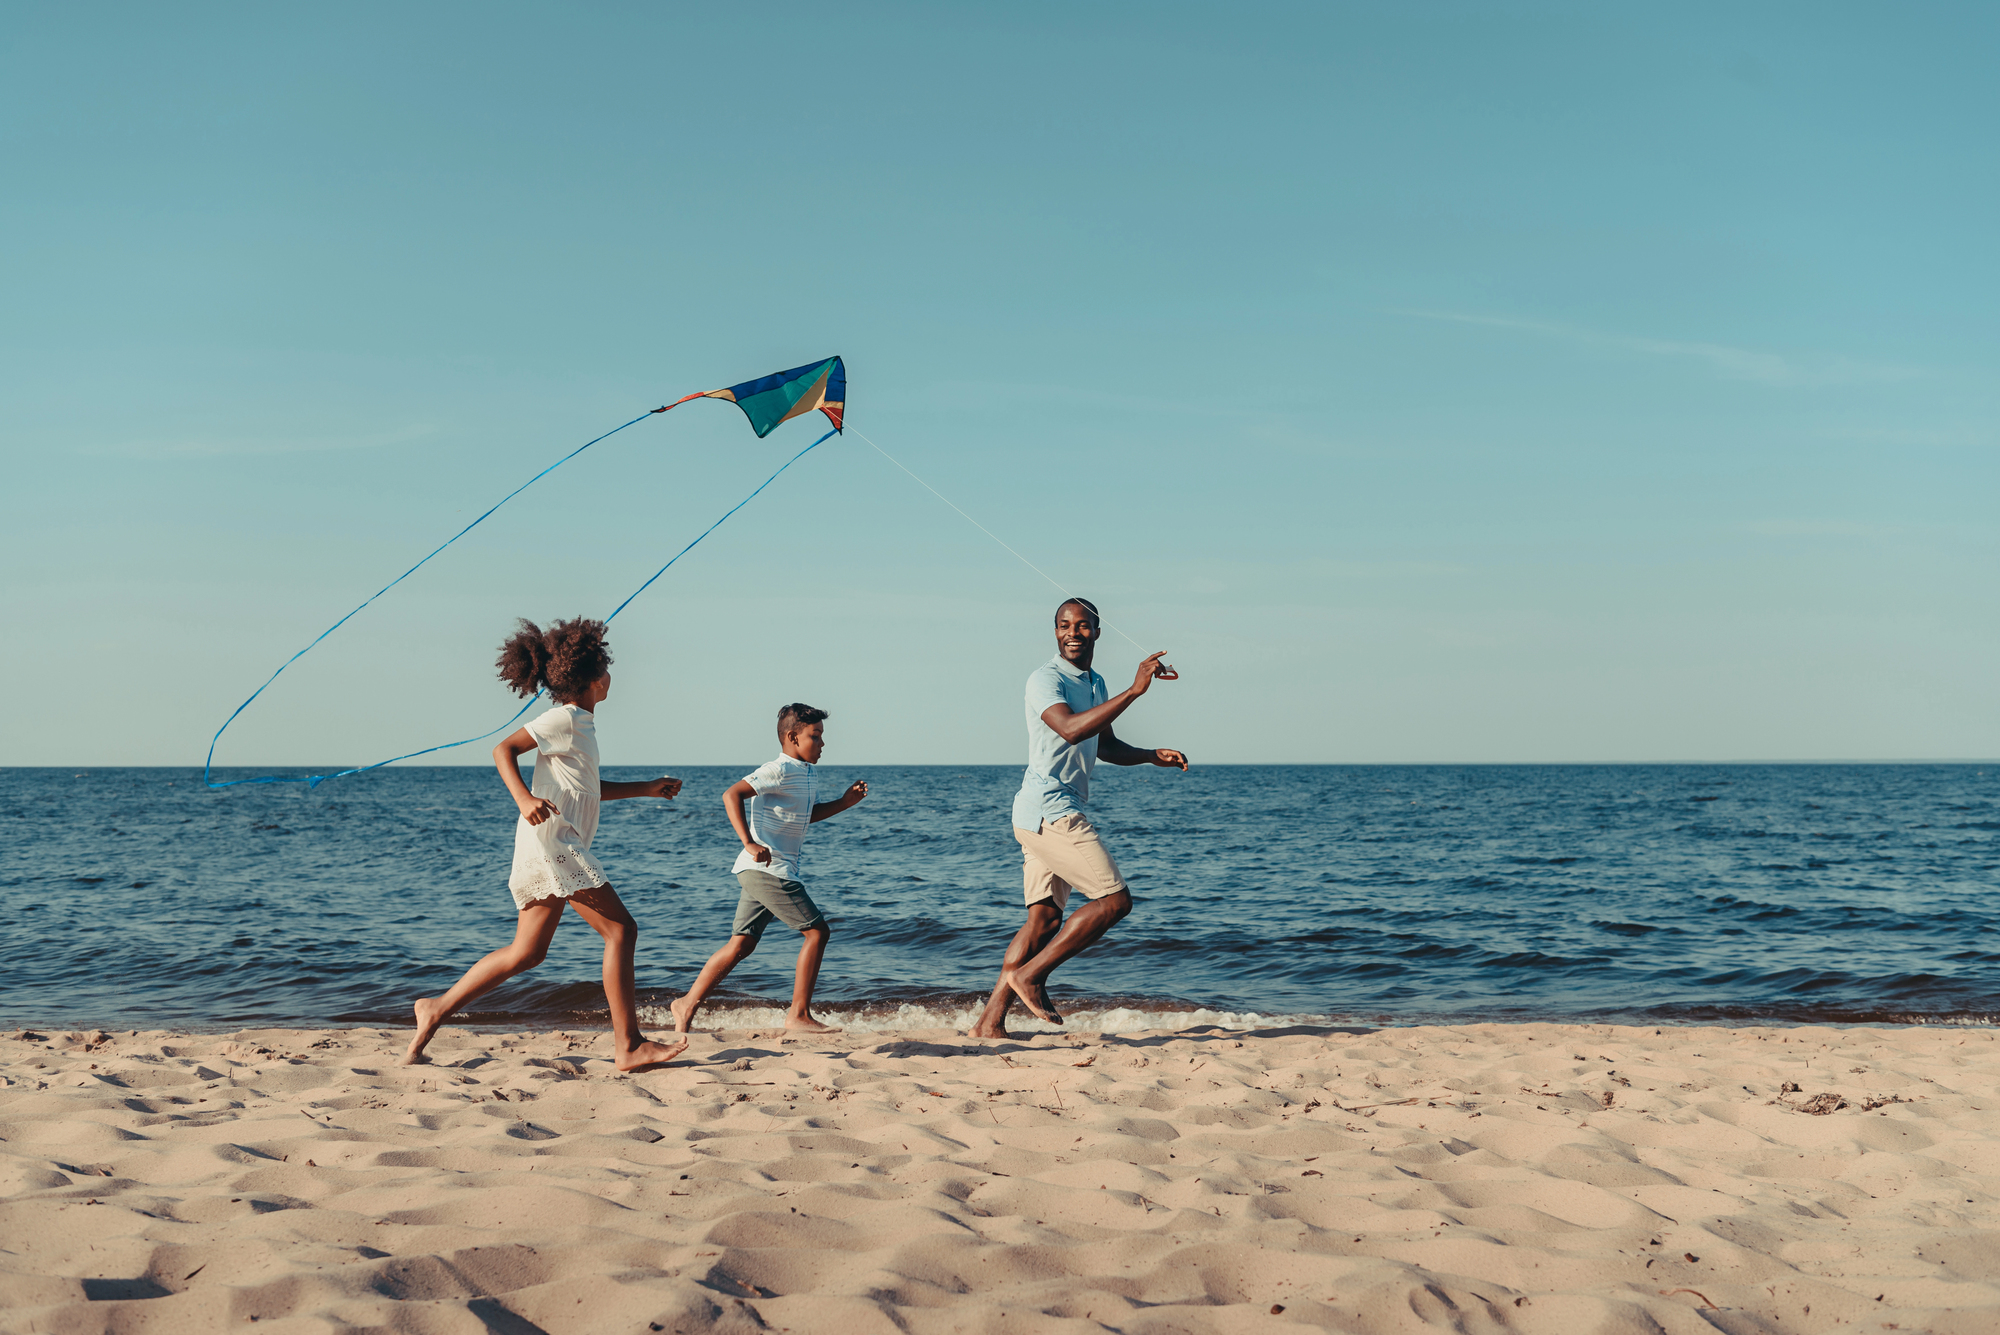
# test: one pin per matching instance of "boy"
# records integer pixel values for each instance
(773, 830)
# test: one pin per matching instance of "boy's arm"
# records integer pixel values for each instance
(507, 759)
(855, 792)
(1114, 752)
(610, 790)
(733, 798)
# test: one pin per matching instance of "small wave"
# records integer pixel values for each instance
(865, 1019)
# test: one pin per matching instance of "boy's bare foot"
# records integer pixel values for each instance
(430, 1014)
(647, 1054)
(808, 1025)
(683, 1015)
(1034, 996)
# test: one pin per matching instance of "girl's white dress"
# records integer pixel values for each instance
(553, 858)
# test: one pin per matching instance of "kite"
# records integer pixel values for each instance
(767, 402)
(775, 399)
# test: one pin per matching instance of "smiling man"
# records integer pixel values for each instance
(1070, 714)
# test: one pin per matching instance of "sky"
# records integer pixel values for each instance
(1435, 382)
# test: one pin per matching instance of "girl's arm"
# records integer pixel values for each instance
(610, 790)
(732, 802)
(507, 758)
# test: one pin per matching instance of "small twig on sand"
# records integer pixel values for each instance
(1668, 1293)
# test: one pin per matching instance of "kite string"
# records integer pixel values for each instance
(987, 531)
(208, 763)
(718, 523)
(314, 780)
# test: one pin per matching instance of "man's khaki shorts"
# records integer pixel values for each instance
(1064, 855)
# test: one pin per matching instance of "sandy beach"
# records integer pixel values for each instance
(1533, 1178)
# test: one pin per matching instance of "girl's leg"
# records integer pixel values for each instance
(811, 951)
(603, 910)
(733, 952)
(532, 933)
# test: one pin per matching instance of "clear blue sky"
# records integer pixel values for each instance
(1436, 381)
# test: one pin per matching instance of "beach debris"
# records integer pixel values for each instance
(1668, 1293)
(1819, 1105)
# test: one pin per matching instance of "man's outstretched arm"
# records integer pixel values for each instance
(1114, 752)
(1073, 727)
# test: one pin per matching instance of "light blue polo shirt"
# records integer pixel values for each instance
(1057, 782)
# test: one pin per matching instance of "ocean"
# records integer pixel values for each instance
(1663, 894)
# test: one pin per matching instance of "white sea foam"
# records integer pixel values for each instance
(906, 1017)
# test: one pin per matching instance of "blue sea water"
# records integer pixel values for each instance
(1634, 893)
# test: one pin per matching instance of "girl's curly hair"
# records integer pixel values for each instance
(563, 660)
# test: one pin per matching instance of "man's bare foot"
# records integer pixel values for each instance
(683, 1015)
(646, 1054)
(808, 1025)
(430, 1014)
(1034, 996)
(988, 1031)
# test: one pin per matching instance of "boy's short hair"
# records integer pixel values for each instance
(1085, 604)
(795, 716)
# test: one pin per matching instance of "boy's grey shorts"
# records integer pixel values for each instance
(766, 897)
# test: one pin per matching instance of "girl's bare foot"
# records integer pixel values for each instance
(430, 1014)
(808, 1025)
(1034, 996)
(683, 1015)
(650, 1054)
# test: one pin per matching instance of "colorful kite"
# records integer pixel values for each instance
(767, 402)
(779, 398)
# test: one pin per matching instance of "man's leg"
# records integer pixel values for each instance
(811, 951)
(1043, 920)
(1085, 926)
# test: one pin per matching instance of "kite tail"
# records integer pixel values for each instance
(209, 763)
(315, 780)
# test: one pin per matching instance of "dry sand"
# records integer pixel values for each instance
(1552, 1178)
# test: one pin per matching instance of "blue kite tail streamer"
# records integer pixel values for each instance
(315, 780)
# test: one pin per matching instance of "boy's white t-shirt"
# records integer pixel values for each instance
(778, 816)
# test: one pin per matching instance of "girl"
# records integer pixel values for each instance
(552, 861)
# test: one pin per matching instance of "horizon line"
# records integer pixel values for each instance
(1216, 764)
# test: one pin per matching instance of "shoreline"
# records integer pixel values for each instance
(1527, 1177)
(888, 1019)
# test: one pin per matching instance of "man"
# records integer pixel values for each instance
(1070, 714)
